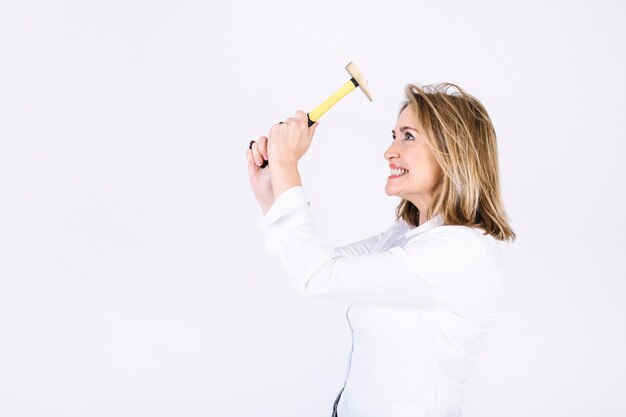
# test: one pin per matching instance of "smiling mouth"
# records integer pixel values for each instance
(398, 172)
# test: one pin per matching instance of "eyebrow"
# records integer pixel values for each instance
(403, 128)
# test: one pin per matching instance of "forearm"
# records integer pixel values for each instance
(284, 177)
(265, 203)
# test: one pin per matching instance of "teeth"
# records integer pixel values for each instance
(398, 171)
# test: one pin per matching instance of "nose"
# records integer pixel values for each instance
(391, 152)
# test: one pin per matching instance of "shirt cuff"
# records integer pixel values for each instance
(287, 202)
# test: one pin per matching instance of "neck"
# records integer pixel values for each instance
(422, 205)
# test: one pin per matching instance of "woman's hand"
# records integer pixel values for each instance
(290, 140)
(283, 147)
(260, 179)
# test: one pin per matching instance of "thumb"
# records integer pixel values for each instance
(314, 126)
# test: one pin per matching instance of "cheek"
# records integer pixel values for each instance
(428, 177)
(432, 172)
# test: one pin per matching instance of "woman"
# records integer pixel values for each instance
(424, 293)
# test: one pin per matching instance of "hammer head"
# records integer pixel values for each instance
(356, 73)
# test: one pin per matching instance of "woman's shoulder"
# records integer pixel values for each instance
(464, 243)
(463, 231)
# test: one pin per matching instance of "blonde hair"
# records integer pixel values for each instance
(463, 139)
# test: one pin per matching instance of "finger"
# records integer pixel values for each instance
(300, 115)
(258, 158)
(314, 126)
(273, 129)
(251, 163)
(263, 146)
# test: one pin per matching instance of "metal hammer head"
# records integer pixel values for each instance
(356, 73)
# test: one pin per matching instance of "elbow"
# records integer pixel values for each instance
(312, 275)
(311, 288)
(315, 283)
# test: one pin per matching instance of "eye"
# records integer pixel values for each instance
(408, 136)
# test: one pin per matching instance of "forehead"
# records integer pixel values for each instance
(408, 118)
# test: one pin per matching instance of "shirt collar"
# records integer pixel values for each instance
(425, 227)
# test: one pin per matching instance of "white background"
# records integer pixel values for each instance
(133, 278)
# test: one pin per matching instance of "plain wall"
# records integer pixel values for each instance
(133, 277)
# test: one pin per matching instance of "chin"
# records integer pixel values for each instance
(390, 193)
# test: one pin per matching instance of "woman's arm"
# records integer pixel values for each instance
(285, 175)
(284, 145)
(436, 271)
(360, 247)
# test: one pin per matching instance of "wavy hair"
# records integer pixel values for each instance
(463, 139)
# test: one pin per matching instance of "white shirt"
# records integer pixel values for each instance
(421, 302)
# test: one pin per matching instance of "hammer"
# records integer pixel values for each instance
(357, 80)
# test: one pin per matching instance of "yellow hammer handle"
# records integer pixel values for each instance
(316, 113)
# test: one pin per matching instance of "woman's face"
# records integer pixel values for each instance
(410, 153)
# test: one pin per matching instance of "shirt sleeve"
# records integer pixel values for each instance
(436, 271)
(360, 247)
